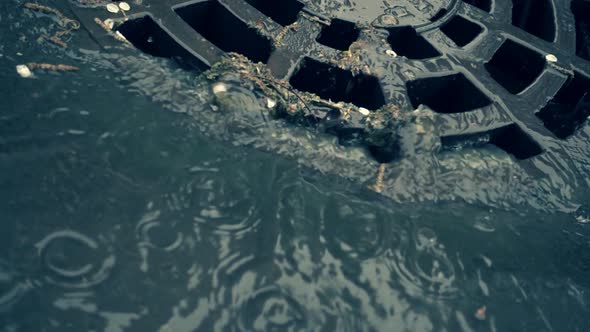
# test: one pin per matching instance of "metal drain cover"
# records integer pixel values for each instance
(381, 12)
(515, 74)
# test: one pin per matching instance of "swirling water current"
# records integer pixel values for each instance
(127, 204)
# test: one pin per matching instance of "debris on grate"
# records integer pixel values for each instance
(377, 129)
(52, 67)
(113, 8)
(124, 6)
(66, 24)
(334, 83)
(405, 41)
(24, 71)
(551, 58)
(340, 65)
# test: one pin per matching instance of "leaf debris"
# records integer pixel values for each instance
(67, 24)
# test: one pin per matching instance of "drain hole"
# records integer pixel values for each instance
(485, 5)
(460, 142)
(385, 155)
(407, 42)
(447, 94)
(581, 10)
(515, 67)
(515, 141)
(535, 17)
(283, 12)
(569, 109)
(461, 31)
(336, 84)
(146, 35)
(339, 35)
(440, 14)
(219, 26)
(510, 139)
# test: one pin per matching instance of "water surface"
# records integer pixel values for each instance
(120, 215)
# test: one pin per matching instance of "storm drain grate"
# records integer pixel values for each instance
(406, 41)
(470, 60)
(220, 26)
(437, 92)
(485, 5)
(338, 35)
(336, 84)
(461, 30)
(511, 139)
(535, 17)
(145, 34)
(581, 10)
(570, 108)
(284, 12)
(515, 66)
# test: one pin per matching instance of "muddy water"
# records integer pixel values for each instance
(129, 204)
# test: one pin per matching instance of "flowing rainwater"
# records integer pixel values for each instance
(128, 204)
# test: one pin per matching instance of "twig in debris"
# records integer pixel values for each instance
(56, 40)
(92, 2)
(279, 38)
(25, 71)
(49, 66)
(273, 85)
(109, 30)
(65, 22)
(378, 187)
(315, 18)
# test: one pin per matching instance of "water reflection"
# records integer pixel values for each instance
(271, 309)
(214, 210)
(144, 224)
(74, 260)
(356, 230)
(12, 288)
(153, 234)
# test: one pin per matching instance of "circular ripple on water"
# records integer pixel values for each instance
(74, 260)
(156, 234)
(357, 231)
(271, 309)
(256, 305)
(263, 296)
(226, 204)
(424, 267)
(11, 289)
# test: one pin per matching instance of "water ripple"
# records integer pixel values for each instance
(237, 215)
(11, 290)
(74, 260)
(356, 231)
(271, 309)
(261, 298)
(424, 267)
(154, 234)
